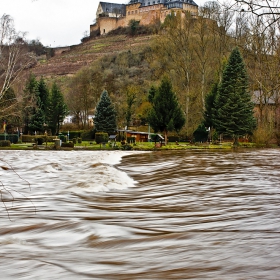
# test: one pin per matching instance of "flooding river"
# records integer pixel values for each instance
(132, 215)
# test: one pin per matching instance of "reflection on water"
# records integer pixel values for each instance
(159, 215)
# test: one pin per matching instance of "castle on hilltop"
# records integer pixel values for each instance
(110, 16)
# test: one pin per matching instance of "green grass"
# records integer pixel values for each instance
(142, 146)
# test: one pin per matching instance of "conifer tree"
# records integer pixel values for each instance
(105, 116)
(43, 94)
(30, 105)
(57, 109)
(233, 109)
(166, 113)
(209, 105)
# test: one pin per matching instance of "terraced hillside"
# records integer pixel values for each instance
(70, 61)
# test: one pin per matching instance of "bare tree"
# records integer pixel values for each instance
(14, 56)
(269, 9)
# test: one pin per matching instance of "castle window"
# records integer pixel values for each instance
(128, 13)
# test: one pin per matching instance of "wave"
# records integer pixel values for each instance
(75, 171)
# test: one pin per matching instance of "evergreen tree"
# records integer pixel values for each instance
(233, 109)
(37, 120)
(166, 113)
(43, 94)
(209, 105)
(57, 109)
(35, 104)
(30, 104)
(105, 116)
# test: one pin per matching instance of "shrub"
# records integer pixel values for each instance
(173, 138)
(33, 138)
(101, 137)
(12, 137)
(67, 145)
(40, 140)
(130, 139)
(126, 147)
(28, 138)
(262, 135)
(88, 134)
(5, 143)
(200, 134)
(72, 134)
(80, 140)
(62, 137)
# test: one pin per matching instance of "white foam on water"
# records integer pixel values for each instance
(99, 174)
(75, 171)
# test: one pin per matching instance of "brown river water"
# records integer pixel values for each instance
(133, 215)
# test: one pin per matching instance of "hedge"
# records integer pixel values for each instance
(33, 138)
(5, 143)
(101, 137)
(13, 138)
(67, 145)
(131, 139)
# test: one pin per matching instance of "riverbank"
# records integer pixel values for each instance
(142, 146)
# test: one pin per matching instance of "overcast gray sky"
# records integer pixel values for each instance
(55, 22)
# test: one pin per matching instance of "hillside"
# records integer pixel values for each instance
(70, 61)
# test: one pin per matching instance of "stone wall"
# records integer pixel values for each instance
(146, 15)
(60, 50)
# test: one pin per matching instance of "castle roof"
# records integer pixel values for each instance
(112, 7)
(151, 2)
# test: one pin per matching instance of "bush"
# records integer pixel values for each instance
(101, 137)
(62, 137)
(74, 141)
(88, 135)
(75, 134)
(33, 138)
(67, 145)
(40, 140)
(131, 140)
(173, 138)
(200, 134)
(126, 147)
(5, 143)
(80, 140)
(262, 135)
(28, 138)
(12, 137)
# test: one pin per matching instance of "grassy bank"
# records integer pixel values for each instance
(142, 146)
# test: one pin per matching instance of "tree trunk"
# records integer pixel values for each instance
(165, 137)
(235, 141)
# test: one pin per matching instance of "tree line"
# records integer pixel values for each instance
(193, 53)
